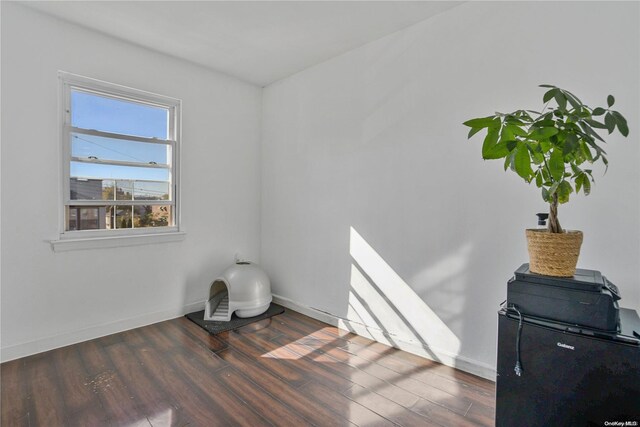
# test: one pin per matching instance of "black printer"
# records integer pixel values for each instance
(587, 299)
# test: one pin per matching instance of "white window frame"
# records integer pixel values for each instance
(72, 239)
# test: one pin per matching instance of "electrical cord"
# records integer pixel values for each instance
(518, 368)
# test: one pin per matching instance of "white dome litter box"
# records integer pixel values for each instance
(243, 288)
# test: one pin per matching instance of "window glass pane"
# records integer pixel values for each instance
(89, 146)
(91, 189)
(150, 190)
(123, 217)
(151, 216)
(124, 190)
(86, 217)
(72, 218)
(98, 171)
(90, 111)
(118, 217)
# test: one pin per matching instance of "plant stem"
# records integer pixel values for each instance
(554, 224)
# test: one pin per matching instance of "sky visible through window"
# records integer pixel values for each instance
(95, 112)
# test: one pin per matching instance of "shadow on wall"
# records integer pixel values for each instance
(382, 305)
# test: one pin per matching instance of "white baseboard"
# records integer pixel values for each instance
(457, 361)
(49, 343)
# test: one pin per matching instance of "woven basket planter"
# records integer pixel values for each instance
(554, 254)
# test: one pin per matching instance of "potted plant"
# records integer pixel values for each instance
(553, 148)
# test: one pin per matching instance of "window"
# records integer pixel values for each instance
(120, 152)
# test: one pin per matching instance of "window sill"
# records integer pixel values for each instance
(64, 245)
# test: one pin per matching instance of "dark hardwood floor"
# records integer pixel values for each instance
(289, 370)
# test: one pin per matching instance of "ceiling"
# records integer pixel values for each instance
(256, 41)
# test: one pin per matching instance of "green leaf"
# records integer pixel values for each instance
(497, 151)
(586, 186)
(610, 100)
(522, 162)
(508, 161)
(516, 130)
(561, 100)
(506, 134)
(579, 180)
(483, 122)
(537, 157)
(598, 111)
(589, 131)
(538, 179)
(545, 146)
(596, 124)
(546, 86)
(473, 131)
(539, 134)
(621, 122)
(545, 175)
(564, 190)
(556, 164)
(548, 96)
(545, 195)
(573, 100)
(570, 144)
(610, 122)
(576, 170)
(489, 141)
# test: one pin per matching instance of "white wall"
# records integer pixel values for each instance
(51, 298)
(369, 182)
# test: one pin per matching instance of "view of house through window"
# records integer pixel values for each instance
(120, 162)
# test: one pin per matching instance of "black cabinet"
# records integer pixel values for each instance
(571, 376)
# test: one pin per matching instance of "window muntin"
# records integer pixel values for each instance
(120, 166)
(90, 147)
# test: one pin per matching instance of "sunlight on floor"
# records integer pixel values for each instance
(164, 418)
(380, 298)
(282, 353)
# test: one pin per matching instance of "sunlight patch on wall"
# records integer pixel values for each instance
(380, 298)
(448, 267)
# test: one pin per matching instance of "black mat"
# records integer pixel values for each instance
(215, 327)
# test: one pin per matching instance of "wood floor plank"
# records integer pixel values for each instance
(436, 410)
(82, 405)
(412, 374)
(275, 359)
(481, 414)
(287, 359)
(387, 408)
(261, 328)
(404, 360)
(192, 402)
(266, 405)
(356, 413)
(304, 403)
(116, 399)
(386, 355)
(213, 343)
(354, 375)
(14, 394)
(206, 381)
(288, 370)
(192, 346)
(47, 404)
(152, 400)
